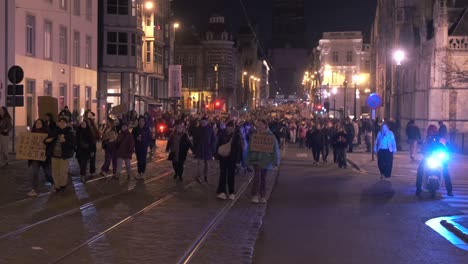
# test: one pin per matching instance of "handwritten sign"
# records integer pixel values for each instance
(31, 146)
(47, 104)
(262, 143)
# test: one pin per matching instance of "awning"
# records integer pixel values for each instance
(148, 100)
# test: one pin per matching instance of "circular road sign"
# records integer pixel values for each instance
(374, 101)
(15, 74)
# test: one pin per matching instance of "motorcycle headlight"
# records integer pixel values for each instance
(441, 155)
(434, 162)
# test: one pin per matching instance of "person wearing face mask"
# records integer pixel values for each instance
(227, 164)
(385, 147)
(178, 146)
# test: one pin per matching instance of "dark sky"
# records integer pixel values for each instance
(321, 15)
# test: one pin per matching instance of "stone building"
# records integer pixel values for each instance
(430, 84)
(344, 73)
(55, 42)
(136, 38)
(210, 66)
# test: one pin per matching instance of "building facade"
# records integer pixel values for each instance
(136, 40)
(344, 74)
(429, 84)
(55, 42)
(210, 67)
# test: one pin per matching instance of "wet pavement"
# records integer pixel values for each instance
(119, 221)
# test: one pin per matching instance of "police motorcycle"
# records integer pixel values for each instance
(433, 170)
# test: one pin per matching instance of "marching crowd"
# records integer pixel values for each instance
(227, 140)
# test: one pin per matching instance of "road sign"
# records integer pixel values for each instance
(15, 89)
(15, 74)
(18, 101)
(374, 101)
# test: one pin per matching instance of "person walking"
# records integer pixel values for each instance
(414, 135)
(204, 143)
(262, 162)
(350, 133)
(91, 123)
(125, 146)
(142, 138)
(442, 130)
(60, 147)
(315, 141)
(109, 137)
(302, 133)
(340, 142)
(5, 127)
(36, 165)
(178, 146)
(83, 148)
(231, 140)
(385, 147)
(293, 132)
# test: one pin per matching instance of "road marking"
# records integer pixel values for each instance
(302, 155)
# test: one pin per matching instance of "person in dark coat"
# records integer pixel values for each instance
(178, 146)
(227, 164)
(91, 123)
(142, 138)
(125, 146)
(109, 137)
(84, 141)
(442, 129)
(414, 135)
(340, 141)
(315, 141)
(350, 133)
(204, 141)
(60, 147)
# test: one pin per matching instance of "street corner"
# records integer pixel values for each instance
(452, 228)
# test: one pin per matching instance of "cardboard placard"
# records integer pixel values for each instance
(31, 146)
(47, 104)
(262, 143)
(119, 109)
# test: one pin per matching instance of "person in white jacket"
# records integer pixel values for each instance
(385, 147)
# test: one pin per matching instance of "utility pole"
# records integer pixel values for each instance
(345, 84)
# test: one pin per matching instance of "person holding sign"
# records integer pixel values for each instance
(39, 127)
(5, 128)
(263, 154)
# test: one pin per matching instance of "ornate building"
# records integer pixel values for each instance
(430, 83)
(344, 71)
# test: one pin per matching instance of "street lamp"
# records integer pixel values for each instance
(399, 56)
(345, 84)
(334, 91)
(149, 5)
(355, 81)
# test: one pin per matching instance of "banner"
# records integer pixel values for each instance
(47, 104)
(31, 146)
(262, 143)
(175, 81)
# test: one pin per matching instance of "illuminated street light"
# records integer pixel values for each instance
(399, 56)
(176, 25)
(245, 73)
(149, 5)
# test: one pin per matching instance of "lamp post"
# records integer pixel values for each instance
(355, 81)
(334, 90)
(345, 84)
(399, 56)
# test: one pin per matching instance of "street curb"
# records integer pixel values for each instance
(455, 229)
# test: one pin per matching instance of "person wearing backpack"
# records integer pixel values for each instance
(229, 153)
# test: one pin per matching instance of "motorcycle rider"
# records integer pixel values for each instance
(434, 143)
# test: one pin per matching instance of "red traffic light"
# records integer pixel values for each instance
(207, 106)
(319, 107)
(218, 103)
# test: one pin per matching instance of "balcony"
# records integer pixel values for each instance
(458, 43)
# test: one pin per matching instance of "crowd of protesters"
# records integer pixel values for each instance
(208, 137)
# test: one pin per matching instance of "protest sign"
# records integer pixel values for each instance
(31, 146)
(262, 143)
(47, 105)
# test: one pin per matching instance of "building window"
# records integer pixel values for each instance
(191, 81)
(63, 95)
(148, 52)
(76, 48)
(335, 57)
(30, 106)
(63, 4)
(89, 52)
(76, 97)
(117, 7)
(148, 20)
(63, 45)
(208, 58)
(77, 7)
(134, 7)
(117, 43)
(133, 48)
(47, 88)
(89, 10)
(30, 35)
(47, 40)
(190, 60)
(367, 65)
(88, 97)
(210, 83)
(349, 56)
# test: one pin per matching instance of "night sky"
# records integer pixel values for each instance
(321, 15)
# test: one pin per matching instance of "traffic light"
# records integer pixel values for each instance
(217, 104)
(318, 107)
